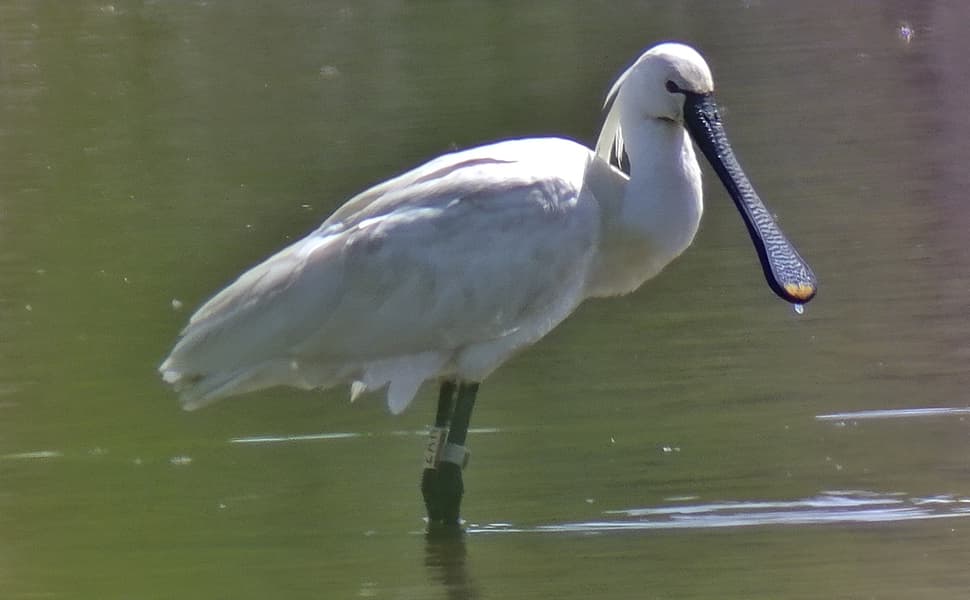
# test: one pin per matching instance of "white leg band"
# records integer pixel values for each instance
(436, 444)
(456, 454)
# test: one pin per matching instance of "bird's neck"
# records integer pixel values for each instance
(654, 215)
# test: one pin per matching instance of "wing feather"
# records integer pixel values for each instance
(454, 253)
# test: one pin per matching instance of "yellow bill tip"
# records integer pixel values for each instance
(800, 292)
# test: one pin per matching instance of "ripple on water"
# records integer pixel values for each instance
(840, 506)
(275, 439)
(898, 413)
(33, 455)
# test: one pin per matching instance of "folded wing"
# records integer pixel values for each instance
(399, 284)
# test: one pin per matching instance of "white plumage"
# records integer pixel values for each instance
(448, 269)
(431, 272)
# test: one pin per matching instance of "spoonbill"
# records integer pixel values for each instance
(447, 270)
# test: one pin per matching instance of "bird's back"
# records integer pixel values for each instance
(447, 268)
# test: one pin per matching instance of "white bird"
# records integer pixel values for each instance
(446, 271)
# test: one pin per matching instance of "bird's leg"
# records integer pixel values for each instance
(436, 444)
(449, 488)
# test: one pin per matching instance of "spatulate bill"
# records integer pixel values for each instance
(788, 275)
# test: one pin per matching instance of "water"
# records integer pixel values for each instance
(694, 440)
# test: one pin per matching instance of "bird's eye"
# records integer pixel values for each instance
(672, 87)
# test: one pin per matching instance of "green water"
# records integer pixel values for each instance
(151, 151)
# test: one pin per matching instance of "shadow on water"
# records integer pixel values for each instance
(844, 506)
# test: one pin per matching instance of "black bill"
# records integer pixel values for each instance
(788, 275)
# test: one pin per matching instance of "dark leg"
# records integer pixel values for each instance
(444, 485)
(463, 413)
(455, 455)
(436, 442)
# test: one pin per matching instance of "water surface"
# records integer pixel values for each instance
(696, 439)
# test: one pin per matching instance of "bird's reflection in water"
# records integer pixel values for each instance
(445, 557)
